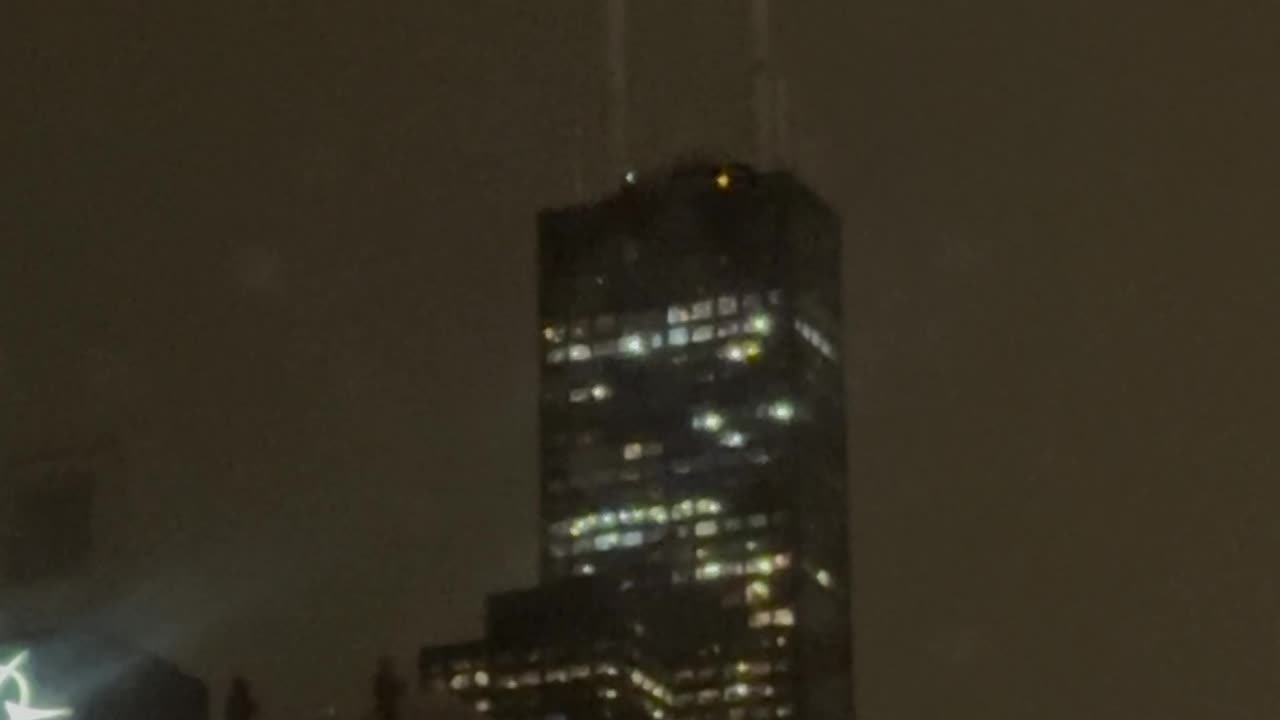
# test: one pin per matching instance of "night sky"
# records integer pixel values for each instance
(284, 251)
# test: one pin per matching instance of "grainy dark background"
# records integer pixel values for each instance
(284, 251)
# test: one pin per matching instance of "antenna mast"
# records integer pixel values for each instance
(619, 152)
(762, 84)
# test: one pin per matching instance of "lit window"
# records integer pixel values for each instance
(579, 395)
(824, 578)
(532, 677)
(553, 333)
(783, 711)
(482, 678)
(727, 304)
(732, 524)
(751, 545)
(556, 356)
(585, 569)
(682, 509)
(710, 571)
(632, 451)
(460, 682)
(757, 592)
(704, 333)
(784, 617)
(760, 619)
(758, 520)
(705, 528)
(632, 538)
(609, 694)
(760, 565)
(737, 691)
(709, 420)
(606, 541)
(677, 314)
(578, 353)
(580, 671)
(678, 336)
(733, 439)
(740, 350)
(633, 345)
(782, 560)
(706, 697)
(707, 506)
(484, 705)
(608, 519)
(600, 391)
(655, 340)
(782, 411)
(701, 310)
(760, 323)
(775, 297)
(658, 514)
(727, 329)
(558, 675)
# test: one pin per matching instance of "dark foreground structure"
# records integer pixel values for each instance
(694, 495)
(94, 679)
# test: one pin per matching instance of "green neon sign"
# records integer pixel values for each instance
(16, 692)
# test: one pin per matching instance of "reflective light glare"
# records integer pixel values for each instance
(20, 708)
(723, 180)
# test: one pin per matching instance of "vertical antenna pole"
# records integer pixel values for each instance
(619, 152)
(782, 122)
(762, 90)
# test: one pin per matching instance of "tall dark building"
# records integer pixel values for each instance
(694, 496)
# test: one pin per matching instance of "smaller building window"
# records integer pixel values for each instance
(727, 329)
(579, 352)
(632, 451)
(553, 333)
(704, 333)
(555, 356)
(484, 705)
(677, 314)
(727, 305)
(706, 528)
(678, 336)
(784, 617)
(701, 310)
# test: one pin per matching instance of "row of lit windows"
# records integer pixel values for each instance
(815, 338)
(760, 565)
(606, 540)
(639, 344)
(637, 515)
(535, 678)
(705, 309)
(781, 617)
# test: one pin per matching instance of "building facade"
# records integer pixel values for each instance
(694, 499)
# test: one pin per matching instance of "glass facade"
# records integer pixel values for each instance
(692, 456)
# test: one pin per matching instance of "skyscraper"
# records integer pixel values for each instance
(694, 497)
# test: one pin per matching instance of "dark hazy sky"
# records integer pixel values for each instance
(285, 251)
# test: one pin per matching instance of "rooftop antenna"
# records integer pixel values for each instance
(782, 121)
(762, 83)
(619, 152)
